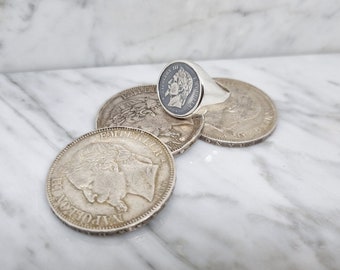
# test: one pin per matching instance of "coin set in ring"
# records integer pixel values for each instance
(114, 179)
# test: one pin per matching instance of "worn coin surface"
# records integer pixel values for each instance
(139, 107)
(110, 180)
(247, 117)
(179, 89)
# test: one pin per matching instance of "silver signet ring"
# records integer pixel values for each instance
(184, 87)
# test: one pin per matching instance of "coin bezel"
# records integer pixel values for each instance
(200, 94)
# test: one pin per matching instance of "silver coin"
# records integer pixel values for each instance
(139, 107)
(111, 180)
(179, 89)
(246, 118)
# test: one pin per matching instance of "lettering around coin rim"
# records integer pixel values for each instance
(139, 107)
(110, 180)
(232, 123)
(179, 89)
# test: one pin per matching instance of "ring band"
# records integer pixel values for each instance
(183, 87)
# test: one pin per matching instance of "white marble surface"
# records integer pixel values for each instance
(50, 34)
(275, 205)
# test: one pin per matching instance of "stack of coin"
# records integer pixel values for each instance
(139, 107)
(235, 113)
(116, 178)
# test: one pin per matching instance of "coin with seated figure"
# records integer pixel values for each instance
(111, 180)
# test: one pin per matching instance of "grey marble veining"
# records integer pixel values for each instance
(49, 34)
(275, 205)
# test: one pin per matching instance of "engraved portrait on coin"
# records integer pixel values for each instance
(110, 180)
(179, 89)
(139, 107)
(247, 117)
(106, 173)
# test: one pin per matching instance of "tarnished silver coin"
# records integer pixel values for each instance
(179, 89)
(111, 180)
(139, 107)
(183, 87)
(246, 118)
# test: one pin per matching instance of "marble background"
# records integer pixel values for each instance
(51, 34)
(275, 205)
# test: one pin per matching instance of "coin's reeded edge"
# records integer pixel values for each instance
(129, 225)
(235, 144)
(178, 150)
(223, 142)
(194, 138)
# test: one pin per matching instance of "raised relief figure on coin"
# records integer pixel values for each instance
(239, 113)
(247, 117)
(106, 173)
(132, 111)
(179, 88)
(142, 112)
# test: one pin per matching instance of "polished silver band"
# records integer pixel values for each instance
(184, 87)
